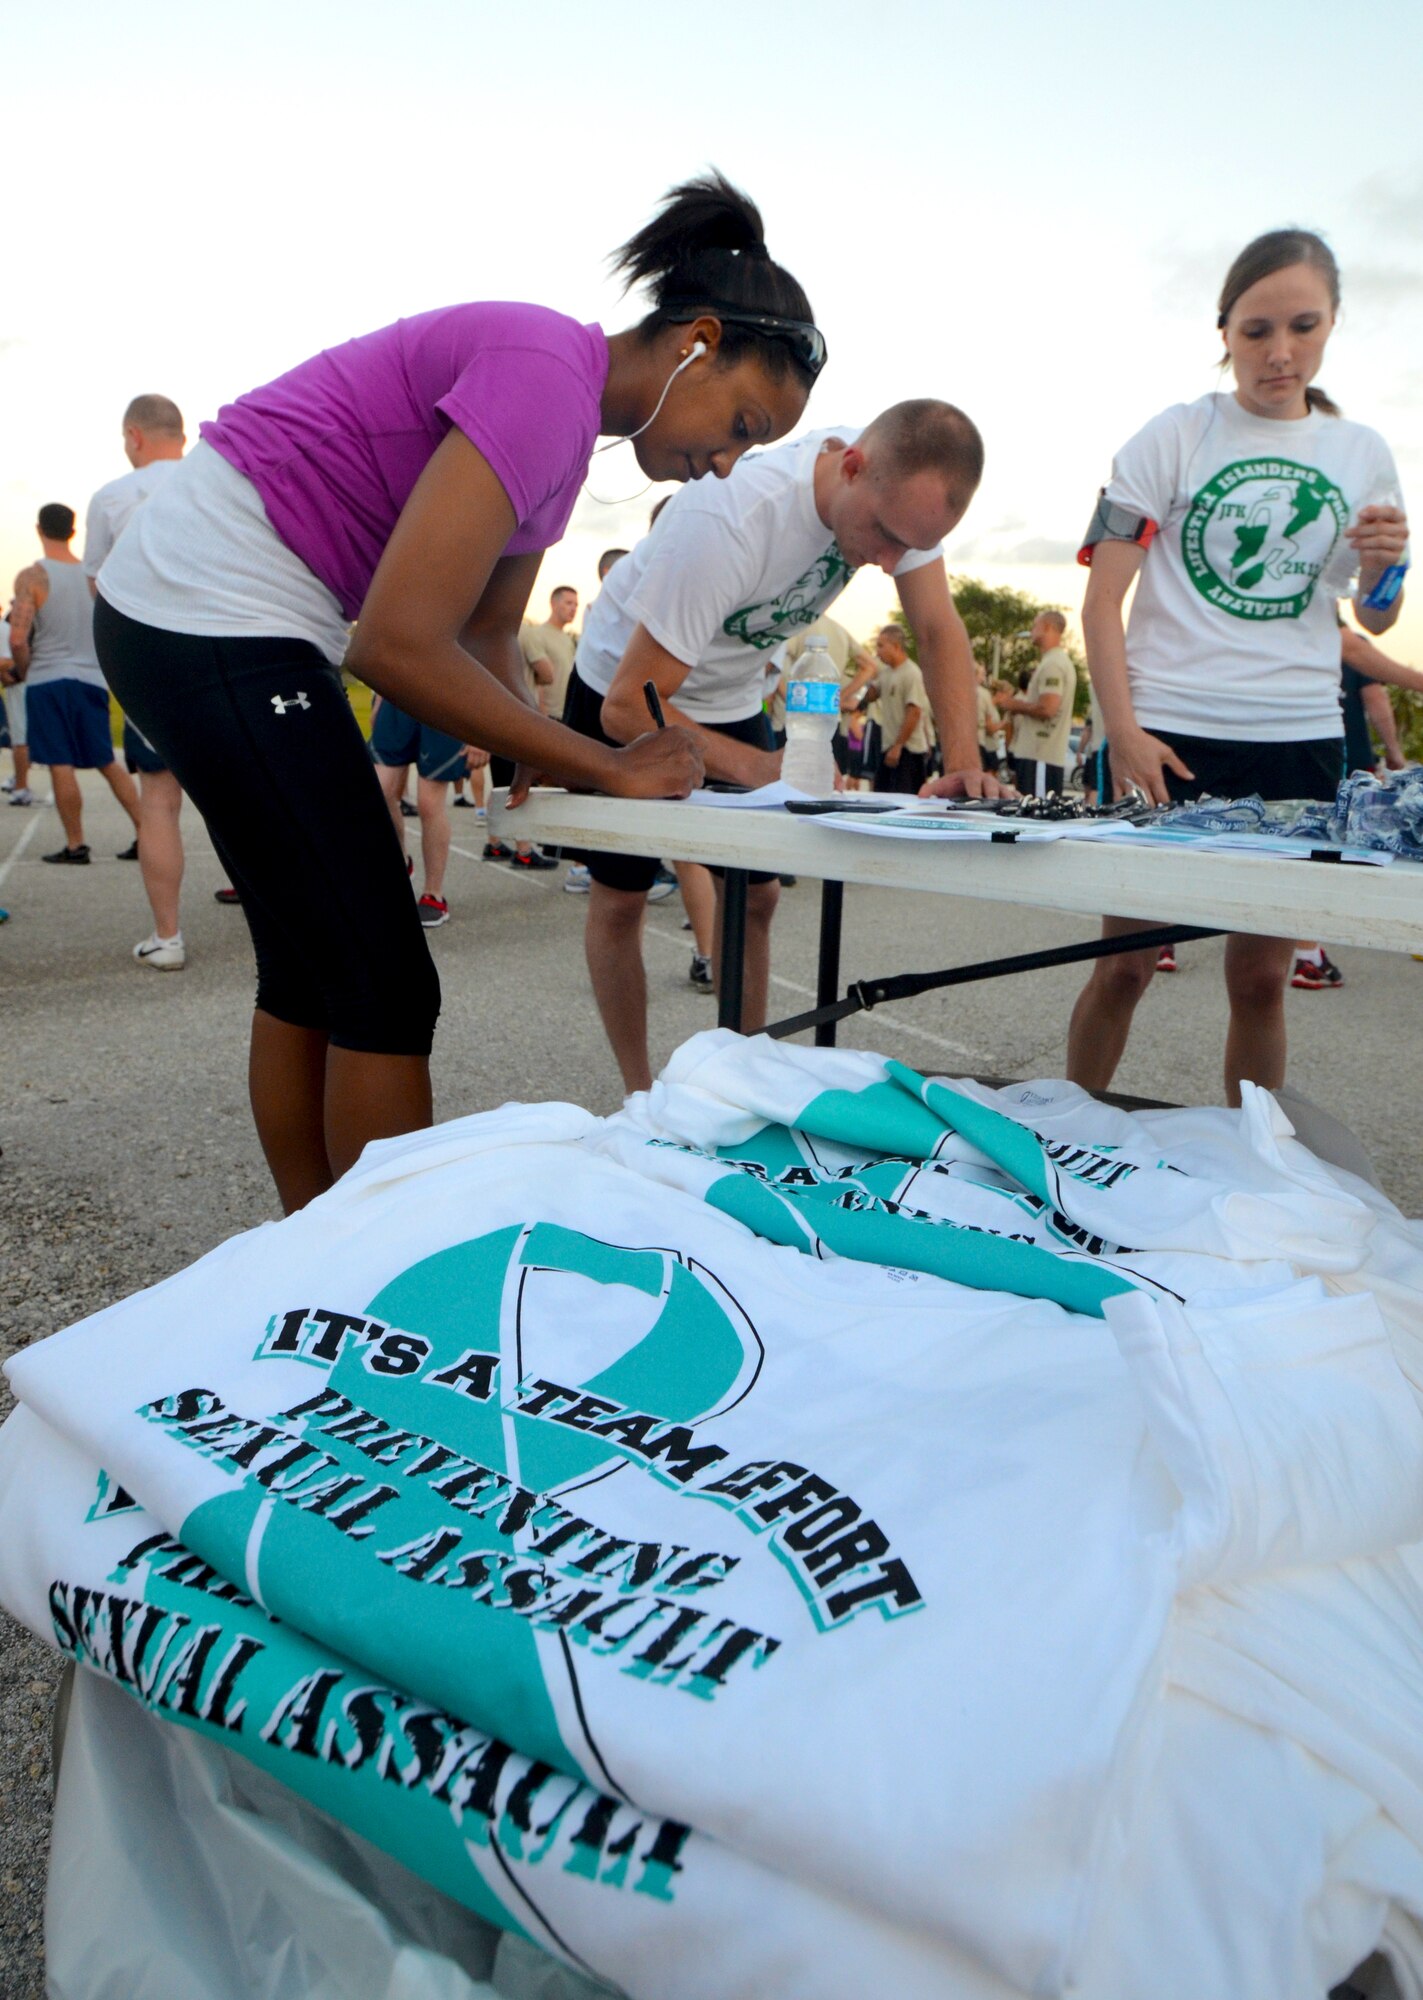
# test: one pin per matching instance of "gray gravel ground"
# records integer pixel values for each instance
(128, 1150)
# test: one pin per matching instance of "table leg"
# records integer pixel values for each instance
(733, 948)
(827, 978)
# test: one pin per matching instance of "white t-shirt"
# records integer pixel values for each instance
(113, 506)
(732, 568)
(1229, 635)
(202, 557)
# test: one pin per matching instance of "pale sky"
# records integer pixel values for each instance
(1025, 209)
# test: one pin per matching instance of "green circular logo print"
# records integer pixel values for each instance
(1258, 535)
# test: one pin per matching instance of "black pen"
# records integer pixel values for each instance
(654, 706)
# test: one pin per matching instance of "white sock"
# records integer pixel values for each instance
(1312, 957)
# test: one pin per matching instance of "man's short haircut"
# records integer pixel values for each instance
(559, 589)
(56, 522)
(895, 632)
(607, 559)
(154, 413)
(928, 436)
(1056, 618)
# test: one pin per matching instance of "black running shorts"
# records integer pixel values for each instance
(261, 737)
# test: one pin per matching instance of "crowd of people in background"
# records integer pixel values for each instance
(1033, 732)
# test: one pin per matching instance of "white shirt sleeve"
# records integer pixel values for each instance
(700, 568)
(1145, 470)
(98, 536)
(917, 558)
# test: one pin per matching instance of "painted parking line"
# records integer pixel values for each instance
(20, 845)
(682, 943)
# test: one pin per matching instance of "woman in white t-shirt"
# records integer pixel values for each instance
(1240, 518)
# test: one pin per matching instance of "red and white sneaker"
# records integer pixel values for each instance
(1312, 978)
(434, 910)
(1166, 960)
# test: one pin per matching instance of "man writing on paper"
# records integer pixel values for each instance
(732, 569)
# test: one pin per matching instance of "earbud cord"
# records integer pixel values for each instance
(628, 436)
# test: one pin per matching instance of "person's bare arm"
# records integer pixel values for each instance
(1366, 658)
(443, 575)
(31, 590)
(625, 712)
(1379, 710)
(1042, 710)
(1379, 538)
(913, 715)
(862, 678)
(950, 681)
(1137, 758)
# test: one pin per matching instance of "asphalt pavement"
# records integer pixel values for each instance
(128, 1150)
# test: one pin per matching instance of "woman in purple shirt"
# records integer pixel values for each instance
(410, 480)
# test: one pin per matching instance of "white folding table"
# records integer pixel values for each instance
(1198, 890)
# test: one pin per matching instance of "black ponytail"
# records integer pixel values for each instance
(706, 246)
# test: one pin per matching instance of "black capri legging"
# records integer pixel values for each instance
(261, 737)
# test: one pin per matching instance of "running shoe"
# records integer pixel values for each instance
(21, 795)
(69, 857)
(535, 858)
(407, 811)
(1311, 978)
(161, 954)
(1166, 960)
(463, 804)
(664, 884)
(128, 853)
(701, 974)
(8, 786)
(496, 850)
(226, 895)
(576, 881)
(434, 911)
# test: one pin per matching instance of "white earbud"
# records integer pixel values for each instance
(699, 347)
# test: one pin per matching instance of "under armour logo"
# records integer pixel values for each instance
(281, 703)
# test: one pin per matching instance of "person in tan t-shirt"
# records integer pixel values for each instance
(903, 715)
(548, 650)
(1042, 725)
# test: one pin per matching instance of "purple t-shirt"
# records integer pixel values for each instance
(335, 446)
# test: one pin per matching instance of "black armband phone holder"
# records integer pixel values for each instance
(1112, 523)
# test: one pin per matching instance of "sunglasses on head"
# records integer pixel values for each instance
(802, 336)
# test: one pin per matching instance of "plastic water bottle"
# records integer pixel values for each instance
(1391, 582)
(1341, 573)
(812, 717)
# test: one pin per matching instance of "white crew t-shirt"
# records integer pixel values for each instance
(731, 569)
(114, 505)
(201, 557)
(1229, 634)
